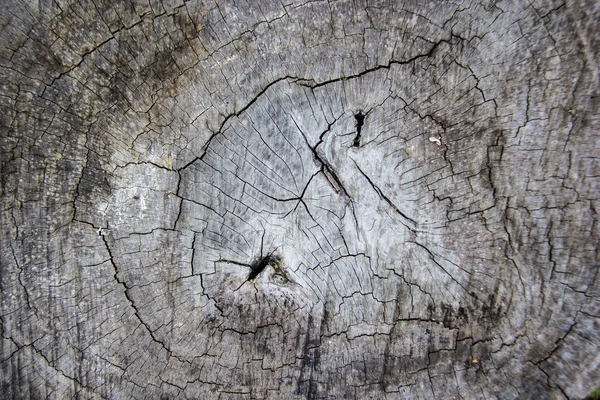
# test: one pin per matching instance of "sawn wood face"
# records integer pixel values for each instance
(385, 200)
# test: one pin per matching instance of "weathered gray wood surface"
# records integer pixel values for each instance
(152, 152)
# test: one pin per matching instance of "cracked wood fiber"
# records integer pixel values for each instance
(343, 199)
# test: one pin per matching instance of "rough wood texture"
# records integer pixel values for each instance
(413, 188)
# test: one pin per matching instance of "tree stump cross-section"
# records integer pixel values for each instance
(324, 199)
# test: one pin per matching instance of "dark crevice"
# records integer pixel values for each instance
(258, 266)
(360, 121)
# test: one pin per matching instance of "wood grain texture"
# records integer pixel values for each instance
(265, 199)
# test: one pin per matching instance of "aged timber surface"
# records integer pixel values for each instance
(265, 199)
